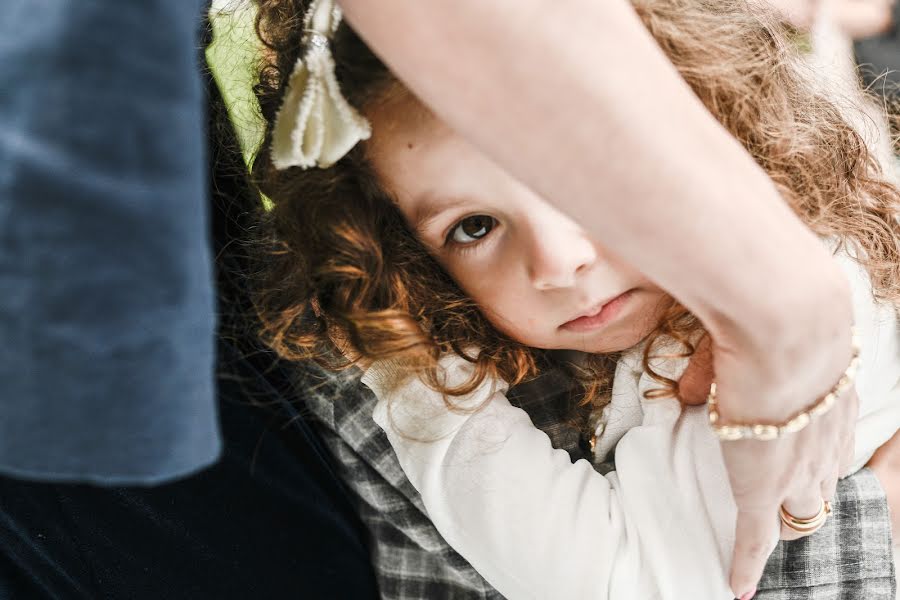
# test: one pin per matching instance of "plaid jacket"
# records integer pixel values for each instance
(849, 558)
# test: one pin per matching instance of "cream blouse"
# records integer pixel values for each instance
(660, 526)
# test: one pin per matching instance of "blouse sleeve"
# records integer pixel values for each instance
(536, 525)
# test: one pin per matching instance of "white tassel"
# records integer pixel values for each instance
(315, 125)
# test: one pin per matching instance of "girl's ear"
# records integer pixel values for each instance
(693, 387)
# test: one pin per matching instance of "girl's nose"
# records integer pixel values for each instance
(557, 260)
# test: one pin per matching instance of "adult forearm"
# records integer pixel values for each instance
(630, 151)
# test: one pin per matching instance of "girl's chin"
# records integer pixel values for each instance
(605, 342)
(609, 343)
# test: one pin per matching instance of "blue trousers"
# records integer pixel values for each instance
(106, 300)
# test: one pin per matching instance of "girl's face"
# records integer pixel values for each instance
(534, 272)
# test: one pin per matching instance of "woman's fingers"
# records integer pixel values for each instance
(829, 484)
(802, 506)
(757, 497)
(756, 535)
(821, 476)
(798, 471)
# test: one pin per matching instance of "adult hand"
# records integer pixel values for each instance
(754, 487)
(797, 471)
(845, 458)
(765, 475)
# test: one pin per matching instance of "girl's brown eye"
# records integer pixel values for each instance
(471, 229)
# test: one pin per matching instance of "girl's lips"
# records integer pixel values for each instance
(607, 313)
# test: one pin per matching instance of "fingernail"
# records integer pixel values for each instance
(749, 594)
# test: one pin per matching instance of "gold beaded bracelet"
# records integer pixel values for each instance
(766, 432)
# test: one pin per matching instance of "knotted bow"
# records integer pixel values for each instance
(315, 125)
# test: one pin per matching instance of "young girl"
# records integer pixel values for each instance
(414, 246)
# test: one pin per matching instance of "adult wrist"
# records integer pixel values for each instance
(792, 344)
(732, 431)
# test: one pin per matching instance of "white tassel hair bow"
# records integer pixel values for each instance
(315, 125)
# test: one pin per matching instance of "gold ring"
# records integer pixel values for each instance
(809, 525)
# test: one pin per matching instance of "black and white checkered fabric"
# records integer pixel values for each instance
(849, 559)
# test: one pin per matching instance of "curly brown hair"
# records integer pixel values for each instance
(342, 264)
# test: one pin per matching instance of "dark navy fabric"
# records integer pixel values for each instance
(106, 304)
(270, 520)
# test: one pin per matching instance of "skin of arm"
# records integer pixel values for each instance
(701, 197)
(576, 100)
